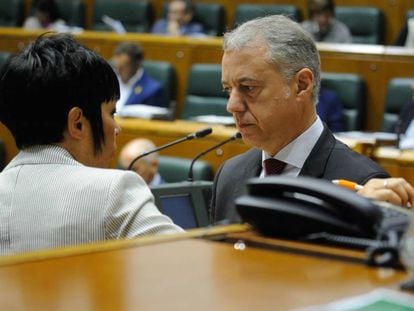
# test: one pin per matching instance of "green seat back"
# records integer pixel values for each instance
(211, 16)
(365, 23)
(11, 13)
(175, 169)
(3, 57)
(245, 12)
(165, 73)
(351, 89)
(72, 11)
(135, 16)
(204, 94)
(399, 93)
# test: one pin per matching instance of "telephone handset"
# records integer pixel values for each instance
(296, 207)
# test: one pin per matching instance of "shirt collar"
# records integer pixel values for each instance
(298, 150)
(133, 79)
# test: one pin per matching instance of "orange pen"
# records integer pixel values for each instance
(347, 184)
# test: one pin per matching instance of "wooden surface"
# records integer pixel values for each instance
(186, 274)
(376, 64)
(399, 163)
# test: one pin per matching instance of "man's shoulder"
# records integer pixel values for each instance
(353, 160)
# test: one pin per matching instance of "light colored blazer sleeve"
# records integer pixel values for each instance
(131, 211)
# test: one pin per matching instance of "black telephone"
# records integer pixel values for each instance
(304, 207)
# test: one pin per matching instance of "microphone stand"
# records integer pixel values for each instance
(190, 171)
(198, 134)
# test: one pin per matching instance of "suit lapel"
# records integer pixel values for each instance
(136, 93)
(315, 164)
(251, 169)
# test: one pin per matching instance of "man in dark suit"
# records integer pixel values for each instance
(271, 71)
(136, 86)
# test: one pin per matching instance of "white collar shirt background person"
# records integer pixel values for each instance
(127, 88)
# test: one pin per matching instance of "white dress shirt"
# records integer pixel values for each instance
(126, 88)
(296, 152)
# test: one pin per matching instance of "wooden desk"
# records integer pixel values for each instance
(399, 163)
(184, 274)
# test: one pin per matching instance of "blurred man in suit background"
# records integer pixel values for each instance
(179, 21)
(137, 87)
(146, 167)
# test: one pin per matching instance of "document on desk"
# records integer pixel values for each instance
(381, 299)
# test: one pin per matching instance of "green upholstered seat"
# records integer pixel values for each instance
(351, 89)
(165, 73)
(204, 95)
(365, 23)
(3, 57)
(399, 93)
(135, 16)
(72, 11)
(11, 13)
(245, 12)
(211, 16)
(175, 169)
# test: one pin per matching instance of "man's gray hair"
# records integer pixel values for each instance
(290, 47)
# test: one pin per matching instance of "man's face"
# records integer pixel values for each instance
(323, 20)
(263, 104)
(177, 13)
(110, 129)
(124, 67)
(146, 169)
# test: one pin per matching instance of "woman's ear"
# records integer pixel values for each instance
(75, 123)
(305, 81)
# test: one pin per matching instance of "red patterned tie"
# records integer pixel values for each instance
(273, 166)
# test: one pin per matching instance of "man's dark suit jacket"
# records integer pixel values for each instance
(406, 116)
(329, 159)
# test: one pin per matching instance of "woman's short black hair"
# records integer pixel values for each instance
(39, 86)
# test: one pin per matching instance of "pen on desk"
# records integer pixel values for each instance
(347, 184)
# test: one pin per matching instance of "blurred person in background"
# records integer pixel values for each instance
(46, 16)
(322, 24)
(136, 86)
(146, 167)
(179, 21)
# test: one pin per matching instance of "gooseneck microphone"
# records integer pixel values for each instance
(190, 171)
(198, 134)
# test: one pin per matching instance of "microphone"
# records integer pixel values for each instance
(198, 134)
(190, 171)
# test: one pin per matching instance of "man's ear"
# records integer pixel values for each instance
(75, 124)
(304, 82)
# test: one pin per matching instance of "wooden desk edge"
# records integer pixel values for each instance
(119, 244)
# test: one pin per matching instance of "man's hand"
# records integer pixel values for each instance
(394, 190)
